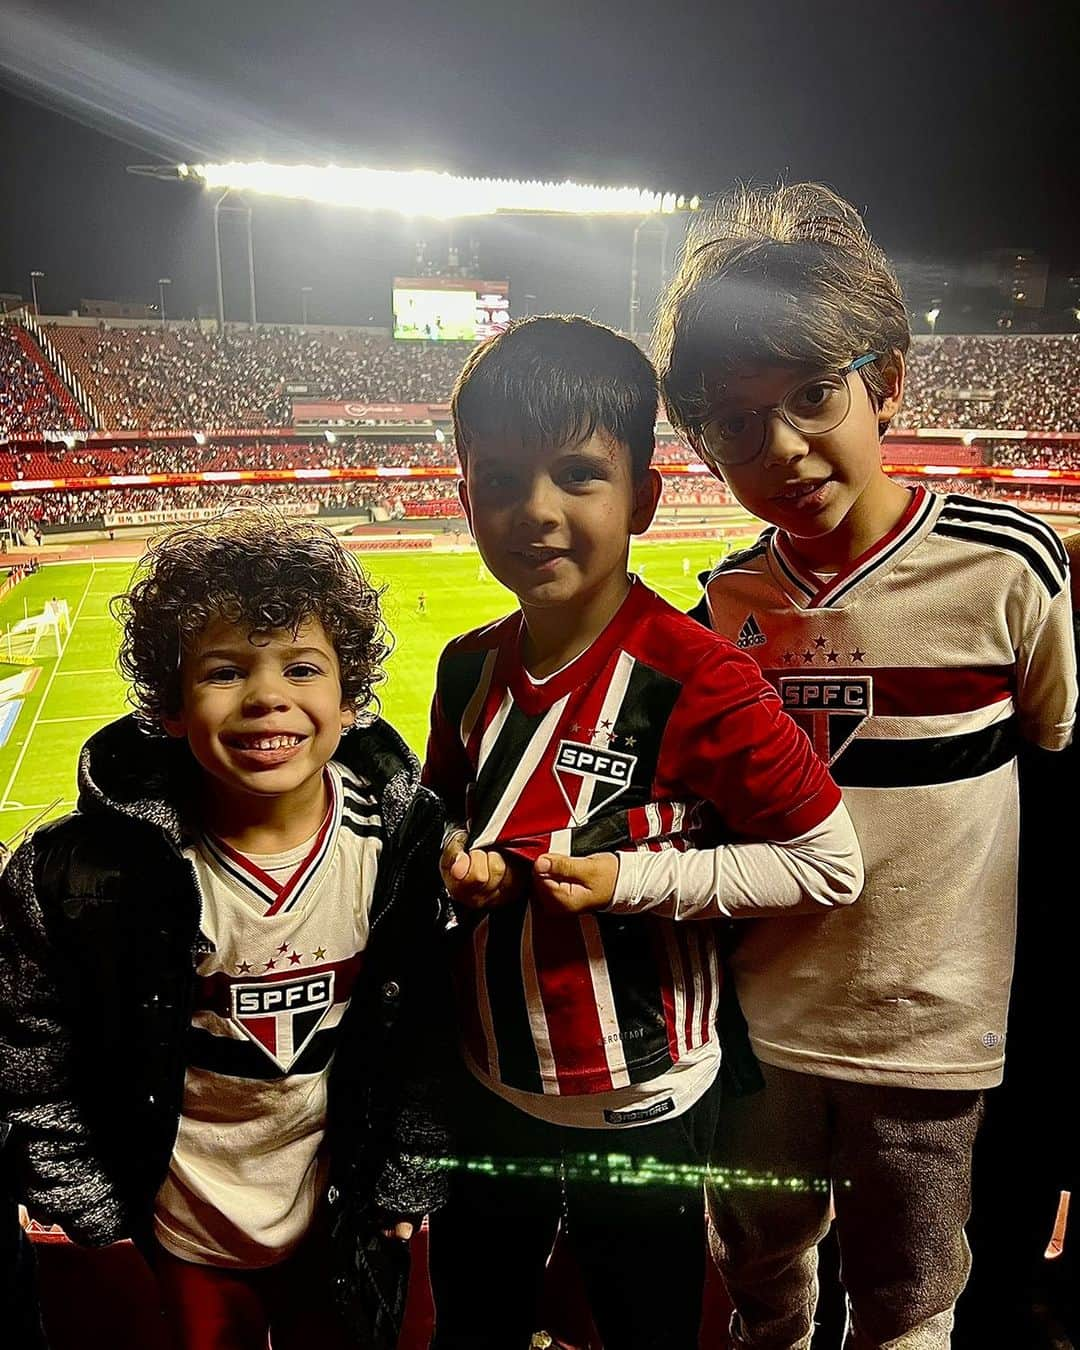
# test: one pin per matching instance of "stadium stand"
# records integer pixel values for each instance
(56, 461)
(180, 377)
(33, 399)
(149, 378)
(171, 383)
(155, 379)
(1023, 383)
(91, 505)
(896, 452)
(1027, 455)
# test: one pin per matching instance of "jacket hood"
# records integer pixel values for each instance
(154, 778)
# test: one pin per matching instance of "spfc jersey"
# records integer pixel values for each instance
(915, 671)
(658, 736)
(288, 933)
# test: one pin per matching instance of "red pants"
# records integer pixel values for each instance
(292, 1303)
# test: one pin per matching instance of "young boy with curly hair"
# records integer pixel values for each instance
(917, 637)
(593, 748)
(214, 974)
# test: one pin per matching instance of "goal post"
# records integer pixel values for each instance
(37, 634)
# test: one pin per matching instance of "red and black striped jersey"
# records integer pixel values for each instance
(659, 735)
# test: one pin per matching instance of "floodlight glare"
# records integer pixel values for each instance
(421, 192)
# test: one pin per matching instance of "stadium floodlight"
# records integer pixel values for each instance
(162, 282)
(422, 192)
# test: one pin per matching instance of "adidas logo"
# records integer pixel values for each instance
(750, 634)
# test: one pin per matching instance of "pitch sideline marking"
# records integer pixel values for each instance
(45, 695)
(33, 806)
(83, 717)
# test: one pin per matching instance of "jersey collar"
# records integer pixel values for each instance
(810, 591)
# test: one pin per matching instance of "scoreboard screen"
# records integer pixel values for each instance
(449, 309)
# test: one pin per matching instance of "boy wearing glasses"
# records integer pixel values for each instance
(916, 638)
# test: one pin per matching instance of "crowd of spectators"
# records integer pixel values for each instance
(695, 489)
(1023, 383)
(155, 379)
(30, 511)
(1029, 455)
(29, 402)
(26, 515)
(182, 377)
(21, 571)
(1031, 496)
(672, 452)
(73, 508)
(56, 461)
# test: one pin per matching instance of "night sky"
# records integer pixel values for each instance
(954, 125)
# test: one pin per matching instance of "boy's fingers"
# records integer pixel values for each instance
(576, 883)
(559, 867)
(479, 879)
(479, 867)
(450, 863)
(460, 864)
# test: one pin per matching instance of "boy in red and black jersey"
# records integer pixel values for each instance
(592, 749)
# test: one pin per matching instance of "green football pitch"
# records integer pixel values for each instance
(80, 690)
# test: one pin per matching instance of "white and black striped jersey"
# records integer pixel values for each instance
(288, 933)
(658, 736)
(915, 671)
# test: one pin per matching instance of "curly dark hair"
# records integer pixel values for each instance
(257, 568)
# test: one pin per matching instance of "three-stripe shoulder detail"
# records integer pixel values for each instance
(998, 525)
(745, 555)
(1004, 513)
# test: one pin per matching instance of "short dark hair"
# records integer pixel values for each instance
(784, 274)
(256, 568)
(556, 379)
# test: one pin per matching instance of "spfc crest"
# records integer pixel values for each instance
(829, 708)
(591, 776)
(282, 1016)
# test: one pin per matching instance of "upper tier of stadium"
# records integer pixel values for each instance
(75, 378)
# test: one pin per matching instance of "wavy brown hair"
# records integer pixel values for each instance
(261, 570)
(779, 275)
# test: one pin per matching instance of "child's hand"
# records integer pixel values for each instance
(479, 878)
(575, 885)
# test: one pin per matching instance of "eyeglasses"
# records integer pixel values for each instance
(737, 435)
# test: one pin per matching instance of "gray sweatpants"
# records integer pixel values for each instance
(899, 1164)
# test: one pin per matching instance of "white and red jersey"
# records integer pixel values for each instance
(915, 671)
(659, 735)
(288, 933)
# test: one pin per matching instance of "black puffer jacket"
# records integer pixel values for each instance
(99, 939)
